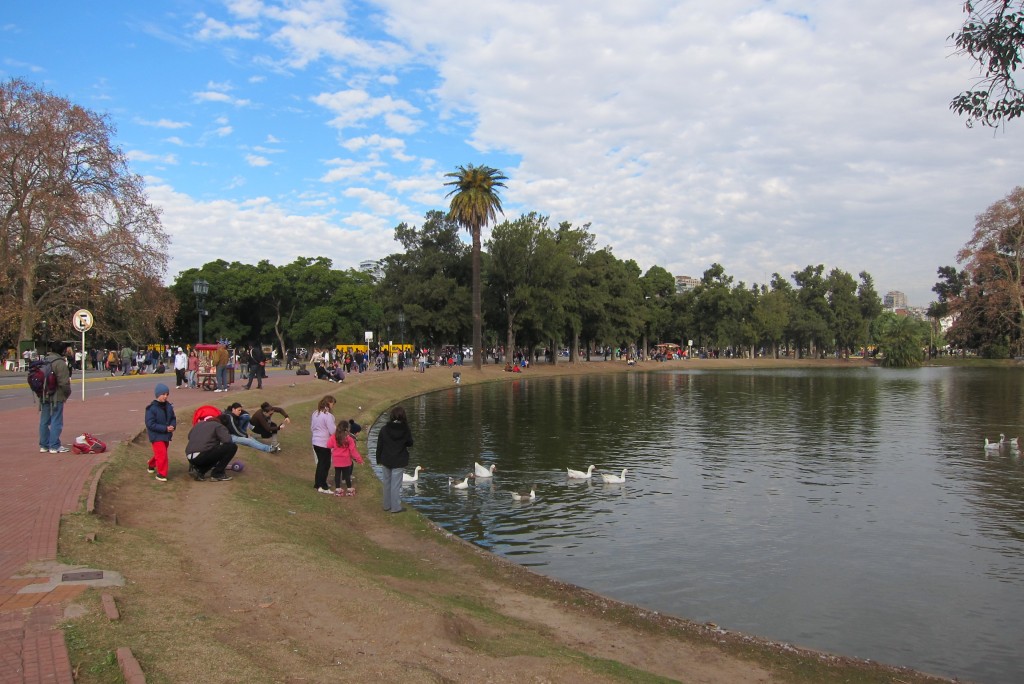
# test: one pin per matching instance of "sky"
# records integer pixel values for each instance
(761, 135)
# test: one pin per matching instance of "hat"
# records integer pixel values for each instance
(354, 427)
(160, 388)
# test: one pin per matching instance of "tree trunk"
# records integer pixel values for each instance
(478, 352)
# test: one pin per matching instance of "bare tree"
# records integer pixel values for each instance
(76, 228)
(994, 256)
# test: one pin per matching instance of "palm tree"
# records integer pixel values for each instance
(475, 203)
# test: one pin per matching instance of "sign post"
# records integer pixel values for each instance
(82, 321)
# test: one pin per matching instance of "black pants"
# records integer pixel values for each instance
(179, 374)
(345, 472)
(323, 466)
(255, 371)
(217, 458)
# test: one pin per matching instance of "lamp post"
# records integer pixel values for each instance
(401, 325)
(201, 288)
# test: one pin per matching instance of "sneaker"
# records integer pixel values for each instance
(218, 390)
(324, 490)
(44, 450)
(151, 470)
(223, 477)
(60, 450)
(161, 478)
(350, 492)
(274, 448)
(196, 475)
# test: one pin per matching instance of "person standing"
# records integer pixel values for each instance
(160, 425)
(180, 366)
(393, 442)
(193, 369)
(343, 452)
(219, 359)
(51, 408)
(209, 449)
(321, 426)
(257, 366)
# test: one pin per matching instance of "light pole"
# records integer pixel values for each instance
(401, 325)
(201, 288)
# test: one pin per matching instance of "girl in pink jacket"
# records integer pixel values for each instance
(343, 452)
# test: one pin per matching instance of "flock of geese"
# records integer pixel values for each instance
(1003, 442)
(481, 472)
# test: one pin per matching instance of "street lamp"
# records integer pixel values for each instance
(401, 324)
(201, 288)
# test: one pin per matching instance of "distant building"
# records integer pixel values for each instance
(686, 283)
(374, 267)
(894, 299)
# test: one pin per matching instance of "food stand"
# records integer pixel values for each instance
(206, 378)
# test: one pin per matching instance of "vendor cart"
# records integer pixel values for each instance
(207, 376)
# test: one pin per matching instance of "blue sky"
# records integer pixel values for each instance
(761, 135)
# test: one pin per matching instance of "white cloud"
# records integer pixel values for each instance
(256, 160)
(140, 156)
(354, 107)
(163, 123)
(212, 29)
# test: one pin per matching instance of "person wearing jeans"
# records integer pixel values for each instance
(51, 409)
(237, 422)
(209, 449)
(393, 442)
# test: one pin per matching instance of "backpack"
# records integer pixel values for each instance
(87, 444)
(41, 378)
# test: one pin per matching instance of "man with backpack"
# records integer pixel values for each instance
(52, 392)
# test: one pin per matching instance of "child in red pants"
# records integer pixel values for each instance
(160, 424)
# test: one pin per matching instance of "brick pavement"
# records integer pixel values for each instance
(35, 491)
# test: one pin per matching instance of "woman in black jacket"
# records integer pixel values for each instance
(393, 442)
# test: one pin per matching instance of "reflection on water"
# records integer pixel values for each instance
(849, 510)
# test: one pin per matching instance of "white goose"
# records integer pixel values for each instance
(525, 496)
(614, 479)
(991, 446)
(462, 484)
(1012, 442)
(579, 474)
(482, 471)
(406, 477)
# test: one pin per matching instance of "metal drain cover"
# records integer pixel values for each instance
(84, 575)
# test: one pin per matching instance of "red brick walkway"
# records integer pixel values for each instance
(35, 491)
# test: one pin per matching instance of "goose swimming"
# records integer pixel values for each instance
(481, 471)
(614, 479)
(406, 477)
(579, 474)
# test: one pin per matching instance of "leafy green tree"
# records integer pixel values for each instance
(870, 305)
(658, 287)
(429, 281)
(810, 322)
(576, 244)
(771, 313)
(992, 36)
(519, 277)
(847, 321)
(475, 203)
(900, 340)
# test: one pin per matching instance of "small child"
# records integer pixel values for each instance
(343, 452)
(160, 424)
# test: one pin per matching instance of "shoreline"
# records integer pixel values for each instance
(565, 631)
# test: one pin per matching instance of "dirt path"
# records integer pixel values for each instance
(262, 579)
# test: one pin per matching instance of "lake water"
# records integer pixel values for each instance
(849, 510)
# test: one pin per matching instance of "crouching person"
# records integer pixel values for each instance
(209, 449)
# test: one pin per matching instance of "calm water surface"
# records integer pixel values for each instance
(851, 510)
